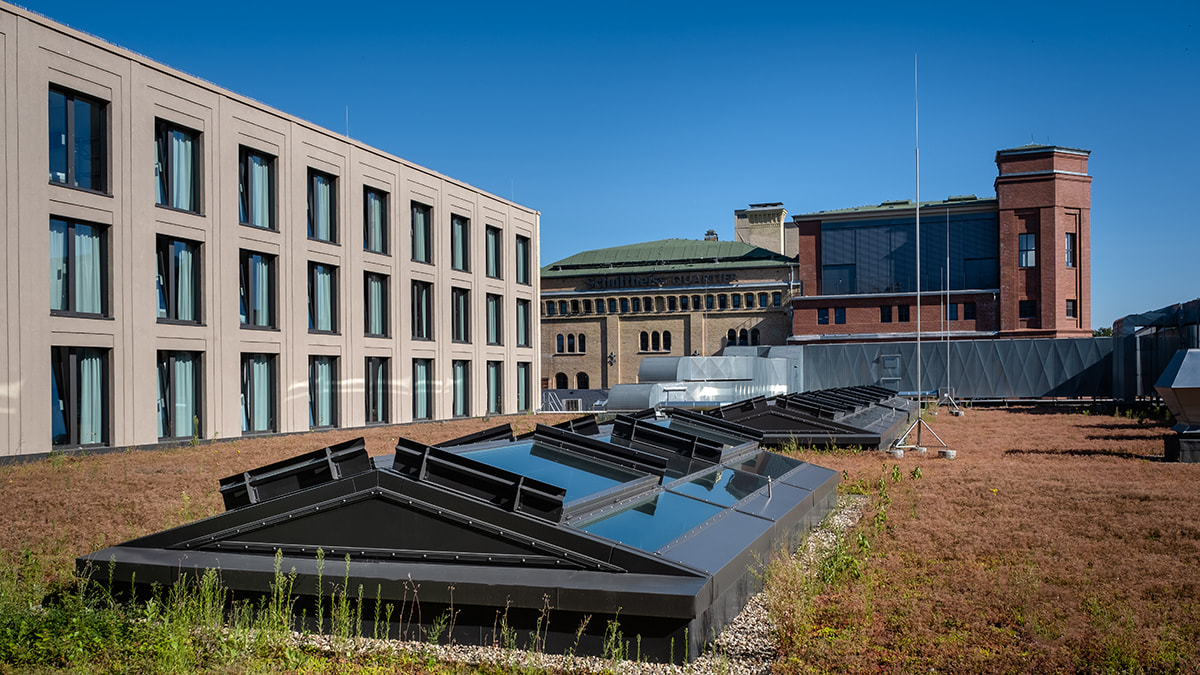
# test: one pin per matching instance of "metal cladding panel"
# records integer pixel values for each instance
(735, 531)
(659, 369)
(1026, 368)
(635, 396)
(1179, 386)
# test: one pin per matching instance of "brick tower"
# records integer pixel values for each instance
(1045, 199)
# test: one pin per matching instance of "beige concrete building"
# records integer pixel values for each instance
(604, 311)
(181, 261)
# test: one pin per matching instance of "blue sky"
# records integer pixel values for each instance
(630, 121)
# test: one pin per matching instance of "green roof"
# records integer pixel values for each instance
(663, 255)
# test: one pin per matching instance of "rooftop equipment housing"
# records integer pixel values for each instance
(656, 523)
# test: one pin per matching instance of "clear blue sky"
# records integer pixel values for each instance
(630, 121)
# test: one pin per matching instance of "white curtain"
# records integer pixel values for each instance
(493, 319)
(181, 171)
(260, 191)
(420, 231)
(185, 395)
(91, 393)
(321, 411)
(58, 266)
(164, 396)
(494, 387)
(461, 383)
(522, 387)
(421, 389)
(375, 305)
(322, 298)
(458, 244)
(185, 278)
(322, 209)
(522, 323)
(522, 260)
(260, 271)
(259, 394)
(88, 270)
(375, 223)
(493, 253)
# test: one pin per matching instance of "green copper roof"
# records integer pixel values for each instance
(665, 254)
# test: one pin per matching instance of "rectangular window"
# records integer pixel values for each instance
(709, 302)
(256, 189)
(612, 306)
(78, 135)
(885, 314)
(952, 312)
(178, 280)
(777, 299)
(493, 245)
(322, 391)
(79, 407)
(524, 260)
(258, 393)
(839, 315)
(256, 275)
(495, 385)
(523, 329)
(1027, 246)
(377, 390)
(1027, 309)
(461, 388)
(673, 303)
(375, 304)
(422, 382)
(177, 166)
(179, 395)
(422, 233)
(1072, 309)
(902, 313)
(823, 316)
(763, 299)
(1070, 252)
(375, 226)
(422, 310)
(322, 206)
(460, 315)
(624, 305)
(78, 268)
(637, 304)
(524, 376)
(460, 243)
(683, 303)
(969, 311)
(322, 298)
(736, 299)
(495, 319)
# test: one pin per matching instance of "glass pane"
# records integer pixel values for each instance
(59, 278)
(578, 475)
(769, 464)
(58, 137)
(722, 486)
(58, 405)
(652, 523)
(88, 270)
(87, 151)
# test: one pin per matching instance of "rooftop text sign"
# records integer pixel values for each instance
(651, 280)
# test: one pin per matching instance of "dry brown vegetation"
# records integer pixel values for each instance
(1056, 541)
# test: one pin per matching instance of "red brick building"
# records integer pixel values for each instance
(1014, 265)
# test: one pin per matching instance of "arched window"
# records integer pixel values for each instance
(558, 343)
(581, 381)
(672, 303)
(562, 307)
(637, 304)
(722, 301)
(587, 306)
(736, 299)
(624, 305)
(574, 306)
(550, 308)
(560, 381)
(696, 303)
(648, 304)
(753, 336)
(645, 341)
(731, 337)
(709, 302)
(655, 345)
(750, 300)
(600, 306)
(582, 344)
(570, 344)
(612, 306)
(683, 302)
(743, 338)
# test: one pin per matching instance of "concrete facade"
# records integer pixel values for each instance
(138, 98)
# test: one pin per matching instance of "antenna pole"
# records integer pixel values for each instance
(917, 190)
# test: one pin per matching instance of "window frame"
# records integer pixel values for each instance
(72, 265)
(165, 257)
(247, 288)
(334, 327)
(377, 403)
(384, 240)
(460, 392)
(246, 193)
(64, 366)
(168, 358)
(885, 314)
(334, 413)
(524, 385)
(1071, 244)
(839, 316)
(314, 178)
(822, 316)
(460, 243)
(247, 385)
(426, 212)
(460, 315)
(1072, 308)
(98, 126)
(1026, 250)
(493, 247)
(384, 314)
(423, 390)
(524, 260)
(903, 313)
(421, 314)
(1027, 310)
(495, 387)
(164, 165)
(494, 305)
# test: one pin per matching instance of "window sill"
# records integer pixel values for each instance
(312, 331)
(176, 209)
(250, 326)
(264, 228)
(495, 344)
(177, 322)
(330, 242)
(461, 342)
(569, 354)
(496, 278)
(98, 193)
(422, 262)
(374, 252)
(421, 338)
(377, 336)
(80, 315)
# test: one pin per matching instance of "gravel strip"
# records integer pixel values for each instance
(746, 647)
